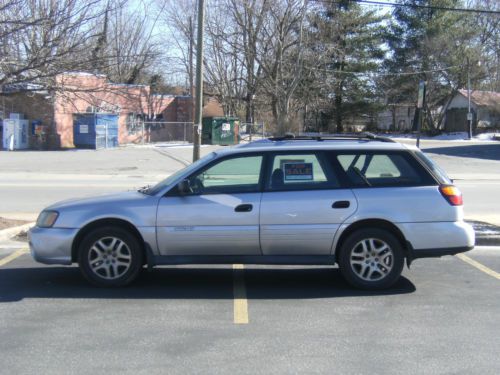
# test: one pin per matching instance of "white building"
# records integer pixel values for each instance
(397, 117)
(485, 107)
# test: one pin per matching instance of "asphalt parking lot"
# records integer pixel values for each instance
(441, 318)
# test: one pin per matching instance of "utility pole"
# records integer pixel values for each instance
(199, 82)
(469, 113)
(191, 70)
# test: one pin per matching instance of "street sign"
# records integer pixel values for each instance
(420, 111)
(469, 116)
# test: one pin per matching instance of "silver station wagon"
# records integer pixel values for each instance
(363, 202)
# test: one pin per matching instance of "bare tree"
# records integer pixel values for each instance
(281, 57)
(224, 67)
(178, 19)
(253, 49)
(39, 39)
(249, 17)
(488, 27)
(130, 49)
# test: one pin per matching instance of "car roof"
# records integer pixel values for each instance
(304, 145)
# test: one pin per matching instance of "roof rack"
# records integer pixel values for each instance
(331, 137)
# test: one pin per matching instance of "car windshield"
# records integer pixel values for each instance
(170, 179)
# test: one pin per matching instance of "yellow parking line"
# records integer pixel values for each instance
(479, 266)
(12, 256)
(239, 295)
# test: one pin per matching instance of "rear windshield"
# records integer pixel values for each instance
(440, 174)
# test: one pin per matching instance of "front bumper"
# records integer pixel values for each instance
(51, 245)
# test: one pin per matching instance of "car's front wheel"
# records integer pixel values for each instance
(110, 257)
(371, 259)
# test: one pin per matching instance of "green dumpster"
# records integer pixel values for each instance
(220, 131)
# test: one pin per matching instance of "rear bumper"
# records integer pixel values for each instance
(434, 253)
(435, 237)
(51, 245)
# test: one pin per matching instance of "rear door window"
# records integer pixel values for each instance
(300, 171)
(382, 169)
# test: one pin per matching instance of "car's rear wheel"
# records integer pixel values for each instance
(110, 257)
(371, 259)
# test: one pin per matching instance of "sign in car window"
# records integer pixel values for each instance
(298, 171)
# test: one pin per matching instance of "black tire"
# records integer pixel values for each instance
(105, 263)
(371, 269)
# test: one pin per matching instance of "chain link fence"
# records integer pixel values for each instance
(252, 131)
(165, 131)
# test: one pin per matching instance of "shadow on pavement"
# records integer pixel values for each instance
(186, 283)
(487, 151)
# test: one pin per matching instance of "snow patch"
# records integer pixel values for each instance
(456, 136)
(487, 136)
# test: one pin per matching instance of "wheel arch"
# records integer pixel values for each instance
(374, 223)
(102, 223)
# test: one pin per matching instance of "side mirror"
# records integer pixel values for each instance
(184, 187)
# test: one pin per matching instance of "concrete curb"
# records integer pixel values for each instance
(488, 240)
(7, 234)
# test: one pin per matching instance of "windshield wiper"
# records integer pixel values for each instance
(144, 189)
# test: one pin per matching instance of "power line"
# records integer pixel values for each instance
(399, 5)
(384, 74)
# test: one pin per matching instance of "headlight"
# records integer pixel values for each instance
(46, 219)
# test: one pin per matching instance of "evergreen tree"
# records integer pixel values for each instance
(347, 47)
(433, 45)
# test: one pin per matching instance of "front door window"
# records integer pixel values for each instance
(230, 176)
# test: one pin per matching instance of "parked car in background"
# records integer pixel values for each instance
(363, 202)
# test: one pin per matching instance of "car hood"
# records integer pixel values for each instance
(116, 198)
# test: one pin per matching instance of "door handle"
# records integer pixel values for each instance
(341, 204)
(243, 208)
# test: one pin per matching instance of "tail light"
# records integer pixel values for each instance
(452, 195)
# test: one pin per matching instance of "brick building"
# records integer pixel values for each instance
(86, 93)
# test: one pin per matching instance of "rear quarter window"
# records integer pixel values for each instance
(438, 172)
(382, 169)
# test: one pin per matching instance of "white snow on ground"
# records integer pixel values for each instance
(451, 136)
(457, 136)
(487, 136)
(165, 145)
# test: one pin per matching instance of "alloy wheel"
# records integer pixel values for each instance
(109, 258)
(371, 259)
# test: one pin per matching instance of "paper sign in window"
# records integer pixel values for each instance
(298, 171)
